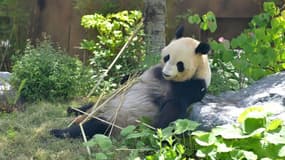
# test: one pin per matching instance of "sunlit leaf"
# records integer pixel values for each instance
(281, 152)
(248, 110)
(204, 138)
(274, 124)
(103, 142)
(101, 156)
(183, 125)
(126, 131)
(275, 139)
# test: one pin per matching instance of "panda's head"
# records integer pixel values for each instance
(186, 58)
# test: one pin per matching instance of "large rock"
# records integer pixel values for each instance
(4, 85)
(225, 108)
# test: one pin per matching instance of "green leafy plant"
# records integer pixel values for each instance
(257, 137)
(49, 74)
(225, 76)
(262, 44)
(260, 47)
(206, 21)
(113, 30)
(104, 145)
(173, 142)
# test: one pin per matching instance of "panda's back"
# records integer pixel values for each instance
(140, 100)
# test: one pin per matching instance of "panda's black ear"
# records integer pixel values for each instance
(203, 48)
(179, 32)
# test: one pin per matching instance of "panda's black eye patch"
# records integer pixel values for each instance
(166, 58)
(180, 66)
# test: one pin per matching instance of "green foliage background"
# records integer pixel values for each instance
(113, 32)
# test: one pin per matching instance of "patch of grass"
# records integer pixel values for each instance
(25, 135)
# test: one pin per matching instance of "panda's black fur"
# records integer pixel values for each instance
(164, 101)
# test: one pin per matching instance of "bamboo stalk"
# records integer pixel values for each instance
(147, 125)
(84, 138)
(99, 119)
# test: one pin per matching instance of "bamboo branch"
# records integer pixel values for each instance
(99, 119)
(84, 138)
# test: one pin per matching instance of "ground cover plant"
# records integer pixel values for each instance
(257, 136)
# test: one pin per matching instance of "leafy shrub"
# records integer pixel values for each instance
(49, 74)
(225, 76)
(113, 32)
(262, 45)
(258, 51)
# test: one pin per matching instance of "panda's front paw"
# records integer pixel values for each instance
(59, 133)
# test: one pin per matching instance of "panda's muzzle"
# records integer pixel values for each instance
(166, 75)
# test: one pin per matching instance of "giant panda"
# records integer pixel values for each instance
(162, 93)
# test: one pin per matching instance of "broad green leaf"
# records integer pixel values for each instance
(102, 141)
(254, 121)
(283, 65)
(274, 124)
(194, 19)
(204, 26)
(128, 130)
(242, 154)
(281, 152)
(211, 20)
(206, 152)
(266, 158)
(101, 156)
(168, 132)
(275, 139)
(222, 147)
(228, 132)
(200, 153)
(271, 8)
(204, 138)
(249, 155)
(137, 135)
(183, 125)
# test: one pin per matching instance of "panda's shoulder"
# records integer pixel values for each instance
(153, 73)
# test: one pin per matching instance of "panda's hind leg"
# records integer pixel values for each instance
(91, 127)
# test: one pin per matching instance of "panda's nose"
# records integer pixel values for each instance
(165, 75)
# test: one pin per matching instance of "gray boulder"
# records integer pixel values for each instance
(4, 78)
(5, 87)
(225, 108)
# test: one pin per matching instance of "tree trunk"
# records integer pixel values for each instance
(154, 13)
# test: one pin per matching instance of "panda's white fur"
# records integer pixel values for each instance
(153, 91)
(196, 65)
